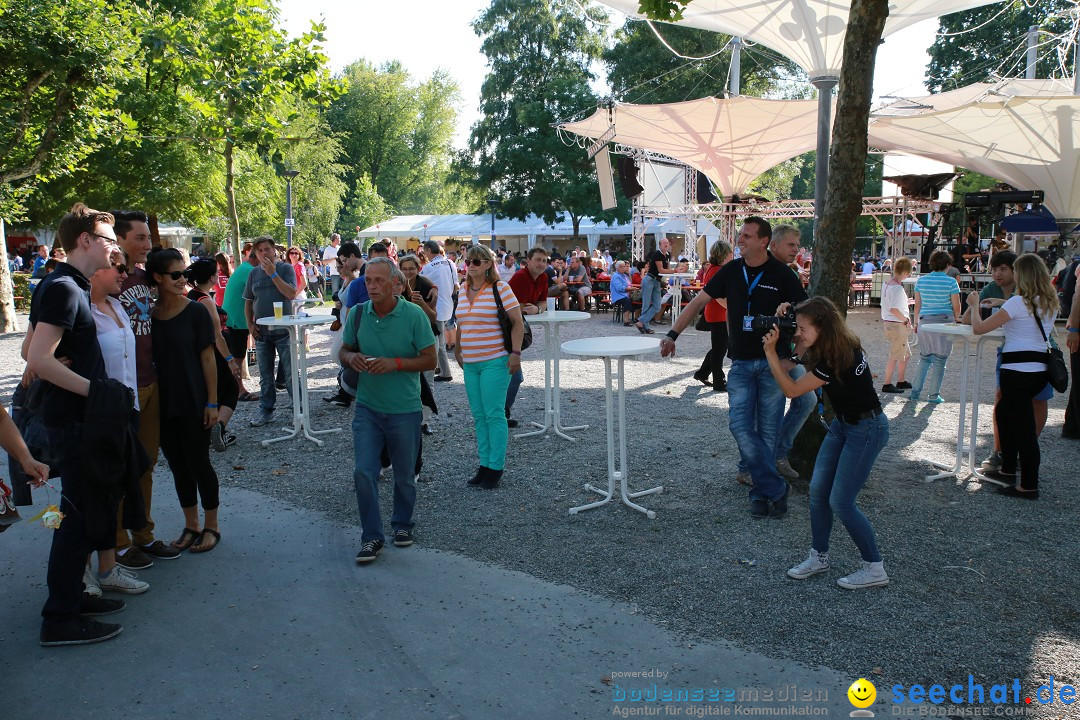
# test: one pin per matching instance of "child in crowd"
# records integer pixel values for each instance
(937, 300)
(897, 322)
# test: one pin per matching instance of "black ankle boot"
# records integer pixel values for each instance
(478, 478)
(491, 480)
(510, 422)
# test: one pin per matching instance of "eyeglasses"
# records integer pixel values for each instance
(106, 238)
(120, 268)
(175, 274)
(477, 262)
(294, 252)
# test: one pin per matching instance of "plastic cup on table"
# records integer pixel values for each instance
(551, 304)
(279, 310)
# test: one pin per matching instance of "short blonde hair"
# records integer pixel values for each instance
(903, 265)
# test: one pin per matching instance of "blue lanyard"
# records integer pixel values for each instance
(750, 286)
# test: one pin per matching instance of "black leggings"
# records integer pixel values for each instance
(1016, 424)
(186, 444)
(714, 359)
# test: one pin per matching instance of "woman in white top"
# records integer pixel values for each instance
(1023, 370)
(896, 319)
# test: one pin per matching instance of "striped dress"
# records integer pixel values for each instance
(479, 333)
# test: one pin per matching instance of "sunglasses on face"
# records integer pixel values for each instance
(477, 262)
(175, 274)
(120, 268)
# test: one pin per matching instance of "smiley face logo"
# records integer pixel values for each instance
(862, 693)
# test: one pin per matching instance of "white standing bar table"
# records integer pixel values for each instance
(295, 324)
(675, 283)
(618, 349)
(964, 335)
(552, 409)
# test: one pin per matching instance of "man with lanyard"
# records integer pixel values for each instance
(133, 235)
(755, 284)
(657, 265)
(64, 327)
(440, 272)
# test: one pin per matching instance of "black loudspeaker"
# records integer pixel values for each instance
(705, 192)
(628, 178)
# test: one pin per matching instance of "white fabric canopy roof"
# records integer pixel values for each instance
(468, 226)
(1029, 142)
(731, 141)
(1005, 88)
(809, 32)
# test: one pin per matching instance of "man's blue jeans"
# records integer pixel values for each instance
(511, 392)
(269, 343)
(756, 405)
(799, 408)
(843, 465)
(650, 299)
(400, 433)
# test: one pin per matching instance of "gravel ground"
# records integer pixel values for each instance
(981, 584)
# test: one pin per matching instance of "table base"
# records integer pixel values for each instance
(301, 425)
(552, 407)
(621, 472)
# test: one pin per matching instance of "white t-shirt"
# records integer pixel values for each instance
(505, 273)
(1021, 333)
(117, 345)
(893, 296)
(330, 253)
(442, 274)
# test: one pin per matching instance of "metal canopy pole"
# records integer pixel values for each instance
(824, 87)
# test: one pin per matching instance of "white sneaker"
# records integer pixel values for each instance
(123, 580)
(814, 564)
(871, 574)
(784, 468)
(90, 582)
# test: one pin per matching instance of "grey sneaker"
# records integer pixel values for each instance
(263, 419)
(871, 574)
(217, 437)
(814, 564)
(134, 559)
(992, 463)
(91, 586)
(124, 581)
(784, 468)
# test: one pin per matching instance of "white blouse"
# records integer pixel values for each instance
(117, 345)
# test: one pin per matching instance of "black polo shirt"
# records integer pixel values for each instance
(654, 257)
(63, 299)
(773, 283)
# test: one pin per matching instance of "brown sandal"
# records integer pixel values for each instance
(183, 543)
(206, 531)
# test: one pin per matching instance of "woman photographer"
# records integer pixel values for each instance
(834, 359)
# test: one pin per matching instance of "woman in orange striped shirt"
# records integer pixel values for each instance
(487, 359)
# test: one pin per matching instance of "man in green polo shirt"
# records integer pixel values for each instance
(389, 342)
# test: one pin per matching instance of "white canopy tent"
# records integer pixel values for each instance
(950, 99)
(731, 141)
(1029, 142)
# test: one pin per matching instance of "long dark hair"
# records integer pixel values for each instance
(158, 261)
(836, 345)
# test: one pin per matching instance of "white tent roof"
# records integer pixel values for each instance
(467, 226)
(810, 32)
(1029, 142)
(1005, 88)
(731, 141)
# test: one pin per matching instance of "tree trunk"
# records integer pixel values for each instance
(8, 322)
(230, 201)
(155, 234)
(834, 239)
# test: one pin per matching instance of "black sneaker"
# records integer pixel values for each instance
(779, 507)
(217, 437)
(161, 551)
(369, 551)
(280, 386)
(703, 379)
(491, 480)
(443, 378)
(510, 422)
(890, 388)
(426, 429)
(80, 631)
(403, 538)
(134, 559)
(905, 385)
(341, 399)
(759, 508)
(91, 606)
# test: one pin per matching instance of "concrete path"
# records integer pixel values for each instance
(280, 622)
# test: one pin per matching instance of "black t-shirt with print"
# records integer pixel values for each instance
(655, 256)
(777, 284)
(63, 299)
(852, 391)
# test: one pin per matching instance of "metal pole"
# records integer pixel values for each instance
(288, 210)
(824, 87)
(1076, 68)
(736, 67)
(1032, 51)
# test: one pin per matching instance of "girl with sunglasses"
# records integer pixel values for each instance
(296, 259)
(187, 370)
(834, 360)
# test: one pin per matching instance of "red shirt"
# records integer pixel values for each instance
(527, 290)
(714, 312)
(219, 289)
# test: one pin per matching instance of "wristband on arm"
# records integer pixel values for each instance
(397, 361)
(673, 335)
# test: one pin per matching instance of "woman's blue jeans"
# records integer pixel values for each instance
(650, 299)
(843, 465)
(485, 385)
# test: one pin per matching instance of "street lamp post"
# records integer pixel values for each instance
(289, 175)
(493, 203)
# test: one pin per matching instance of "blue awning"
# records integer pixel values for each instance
(1031, 221)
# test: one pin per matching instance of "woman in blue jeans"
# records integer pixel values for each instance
(834, 360)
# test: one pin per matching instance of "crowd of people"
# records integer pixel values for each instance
(147, 350)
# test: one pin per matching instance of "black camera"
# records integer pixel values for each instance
(761, 324)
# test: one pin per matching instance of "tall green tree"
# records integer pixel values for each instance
(988, 42)
(540, 53)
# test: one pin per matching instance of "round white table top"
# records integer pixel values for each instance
(295, 320)
(681, 276)
(558, 316)
(964, 332)
(611, 346)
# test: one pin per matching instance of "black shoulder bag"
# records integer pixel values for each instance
(507, 326)
(1056, 370)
